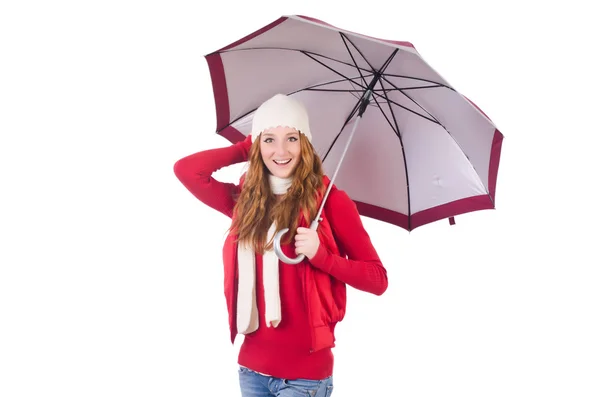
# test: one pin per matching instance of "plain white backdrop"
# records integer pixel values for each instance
(110, 271)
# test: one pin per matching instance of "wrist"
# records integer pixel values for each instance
(320, 257)
(245, 146)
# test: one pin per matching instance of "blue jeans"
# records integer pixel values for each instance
(254, 384)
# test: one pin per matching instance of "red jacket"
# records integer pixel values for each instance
(345, 255)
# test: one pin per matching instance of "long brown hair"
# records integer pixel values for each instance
(257, 208)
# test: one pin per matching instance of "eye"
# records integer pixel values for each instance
(268, 140)
(293, 139)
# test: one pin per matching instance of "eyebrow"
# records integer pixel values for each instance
(289, 133)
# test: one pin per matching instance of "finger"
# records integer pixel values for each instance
(301, 237)
(302, 230)
(308, 234)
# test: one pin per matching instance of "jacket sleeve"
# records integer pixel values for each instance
(195, 173)
(362, 269)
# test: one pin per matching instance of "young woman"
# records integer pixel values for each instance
(287, 313)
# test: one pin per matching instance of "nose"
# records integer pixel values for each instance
(281, 148)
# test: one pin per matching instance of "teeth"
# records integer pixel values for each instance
(282, 161)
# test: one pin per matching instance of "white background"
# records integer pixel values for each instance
(110, 271)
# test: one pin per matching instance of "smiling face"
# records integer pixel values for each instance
(280, 150)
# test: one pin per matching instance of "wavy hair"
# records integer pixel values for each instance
(257, 208)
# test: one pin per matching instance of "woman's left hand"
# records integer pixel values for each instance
(307, 242)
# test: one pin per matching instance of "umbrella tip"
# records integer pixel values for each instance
(452, 221)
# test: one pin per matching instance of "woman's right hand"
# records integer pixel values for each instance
(245, 145)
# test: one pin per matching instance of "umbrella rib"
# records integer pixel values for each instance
(344, 38)
(437, 121)
(417, 88)
(396, 131)
(405, 108)
(403, 155)
(361, 54)
(422, 108)
(330, 68)
(420, 79)
(314, 87)
(334, 90)
(414, 101)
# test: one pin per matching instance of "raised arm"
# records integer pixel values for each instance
(362, 269)
(195, 173)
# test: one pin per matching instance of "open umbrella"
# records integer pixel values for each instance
(424, 152)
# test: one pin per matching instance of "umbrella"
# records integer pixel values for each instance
(423, 151)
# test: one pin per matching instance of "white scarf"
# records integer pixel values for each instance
(247, 311)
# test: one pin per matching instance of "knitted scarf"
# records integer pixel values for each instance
(247, 311)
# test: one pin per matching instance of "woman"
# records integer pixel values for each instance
(287, 313)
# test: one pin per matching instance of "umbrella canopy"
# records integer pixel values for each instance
(422, 151)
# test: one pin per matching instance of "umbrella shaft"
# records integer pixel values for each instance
(341, 160)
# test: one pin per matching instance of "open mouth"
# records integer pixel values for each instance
(282, 162)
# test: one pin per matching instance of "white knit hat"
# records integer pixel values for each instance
(281, 110)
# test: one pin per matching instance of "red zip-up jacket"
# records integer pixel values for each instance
(313, 293)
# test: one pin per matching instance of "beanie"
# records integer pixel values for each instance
(281, 110)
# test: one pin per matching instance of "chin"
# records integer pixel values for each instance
(282, 173)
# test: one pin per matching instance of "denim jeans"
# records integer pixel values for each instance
(253, 384)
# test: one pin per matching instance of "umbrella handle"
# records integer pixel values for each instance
(279, 252)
